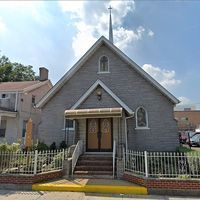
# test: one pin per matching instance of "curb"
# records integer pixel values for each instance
(92, 188)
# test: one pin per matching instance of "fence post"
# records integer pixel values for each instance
(35, 162)
(63, 158)
(146, 163)
(124, 158)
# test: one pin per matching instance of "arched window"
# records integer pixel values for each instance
(141, 118)
(103, 64)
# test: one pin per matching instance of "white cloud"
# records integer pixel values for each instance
(166, 78)
(120, 10)
(2, 26)
(75, 8)
(123, 37)
(35, 9)
(185, 101)
(83, 39)
(150, 33)
(92, 19)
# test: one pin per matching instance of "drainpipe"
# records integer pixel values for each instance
(126, 134)
(16, 101)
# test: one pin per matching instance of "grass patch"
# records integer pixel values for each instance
(183, 149)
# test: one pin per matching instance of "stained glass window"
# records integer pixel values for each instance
(141, 118)
(103, 64)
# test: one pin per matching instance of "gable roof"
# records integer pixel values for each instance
(82, 60)
(22, 86)
(93, 87)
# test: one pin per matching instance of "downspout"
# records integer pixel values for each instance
(126, 133)
(16, 101)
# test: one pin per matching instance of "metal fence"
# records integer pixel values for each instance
(163, 164)
(31, 162)
(77, 152)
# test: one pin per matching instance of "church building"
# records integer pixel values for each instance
(107, 101)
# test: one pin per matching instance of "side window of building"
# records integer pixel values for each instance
(103, 64)
(141, 118)
(3, 127)
(4, 96)
(69, 124)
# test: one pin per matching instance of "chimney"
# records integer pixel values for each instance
(43, 74)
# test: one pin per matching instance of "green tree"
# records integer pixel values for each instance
(15, 71)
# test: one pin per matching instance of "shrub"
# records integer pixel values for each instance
(63, 145)
(10, 147)
(41, 146)
(53, 146)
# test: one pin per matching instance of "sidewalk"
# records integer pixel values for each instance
(17, 195)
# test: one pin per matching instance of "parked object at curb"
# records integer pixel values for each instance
(194, 140)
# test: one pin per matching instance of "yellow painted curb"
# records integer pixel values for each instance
(114, 189)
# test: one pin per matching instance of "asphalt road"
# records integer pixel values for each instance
(17, 195)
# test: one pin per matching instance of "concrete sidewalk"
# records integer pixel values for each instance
(17, 195)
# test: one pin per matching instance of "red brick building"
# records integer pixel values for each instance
(188, 120)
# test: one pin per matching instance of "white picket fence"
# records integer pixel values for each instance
(31, 162)
(163, 164)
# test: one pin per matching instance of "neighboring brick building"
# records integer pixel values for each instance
(188, 120)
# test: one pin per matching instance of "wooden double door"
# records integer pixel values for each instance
(99, 137)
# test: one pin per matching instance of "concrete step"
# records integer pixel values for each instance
(95, 157)
(93, 172)
(94, 176)
(93, 168)
(95, 162)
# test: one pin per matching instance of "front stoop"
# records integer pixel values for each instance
(94, 166)
(92, 185)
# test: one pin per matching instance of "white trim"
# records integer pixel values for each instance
(7, 113)
(142, 128)
(93, 87)
(81, 61)
(147, 120)
(103, 72)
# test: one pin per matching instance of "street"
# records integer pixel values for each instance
(32, 195)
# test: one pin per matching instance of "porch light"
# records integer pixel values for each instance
(99, 94)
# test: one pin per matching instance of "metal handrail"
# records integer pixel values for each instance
(114, 154)
(77, 152)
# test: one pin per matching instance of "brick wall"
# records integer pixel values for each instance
(134, 179)
(29, 179)
(152, 183)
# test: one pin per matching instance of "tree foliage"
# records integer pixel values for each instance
(15, 71)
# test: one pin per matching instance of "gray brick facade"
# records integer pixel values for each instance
(131, 88)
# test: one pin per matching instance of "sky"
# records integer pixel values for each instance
(162, 37)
